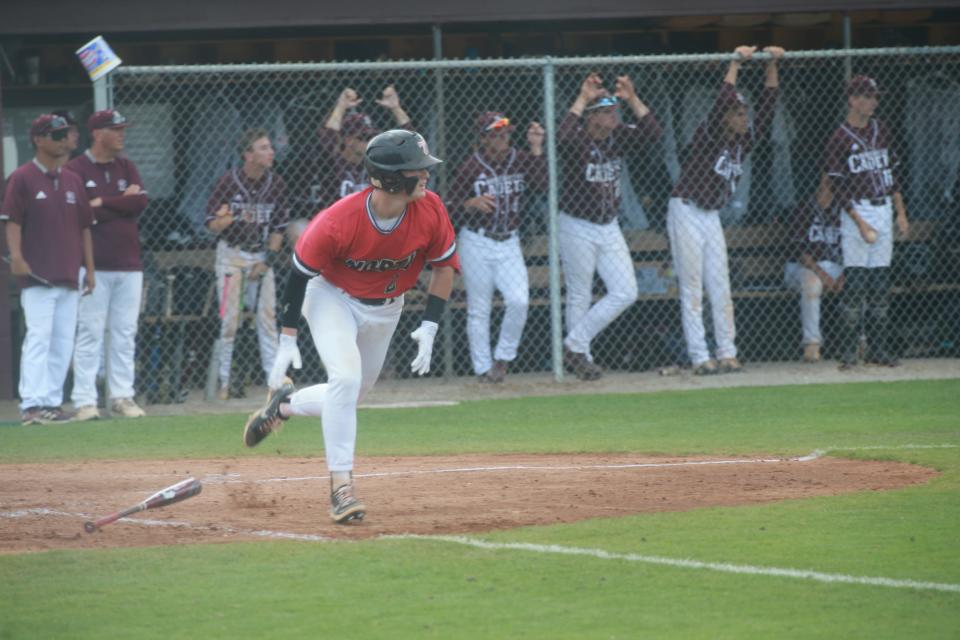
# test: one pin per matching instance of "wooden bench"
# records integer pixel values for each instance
(757, 255)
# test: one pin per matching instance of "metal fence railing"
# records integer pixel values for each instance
(582, 201)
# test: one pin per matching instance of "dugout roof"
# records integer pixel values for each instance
(122, 16)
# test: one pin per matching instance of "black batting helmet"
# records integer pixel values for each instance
(391, 153)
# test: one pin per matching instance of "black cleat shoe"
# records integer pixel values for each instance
(267, 418)
(344, 506)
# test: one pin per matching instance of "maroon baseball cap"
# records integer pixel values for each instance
(861, 85)
(358, 125)
(492, 121)
(48, 123)
(106, 119)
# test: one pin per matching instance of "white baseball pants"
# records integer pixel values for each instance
(810, 287)
(51, 321)
(113, 306)
(232, 269)
(351, 339)
(700, 261)
(490, 265)
(856, 251)
(587, 248)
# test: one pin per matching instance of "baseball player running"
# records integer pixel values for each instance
(595, 141)
(709, 178)
(351, 268)
(248, 210)
(818, 267)
(861, 166)
(488, 189)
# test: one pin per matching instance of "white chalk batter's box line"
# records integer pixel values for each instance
(235, 478)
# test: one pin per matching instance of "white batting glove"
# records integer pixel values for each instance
(424, 337)
(288, 353)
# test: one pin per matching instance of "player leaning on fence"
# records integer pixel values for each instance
(593, 142)
(487, 197)
(248, 212)
(708, 180)
(862, 167)
(48, 223)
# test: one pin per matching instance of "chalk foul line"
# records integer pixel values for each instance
(722, 567)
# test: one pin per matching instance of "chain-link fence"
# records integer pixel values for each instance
(569, 182)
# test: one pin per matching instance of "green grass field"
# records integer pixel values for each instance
(439, 588)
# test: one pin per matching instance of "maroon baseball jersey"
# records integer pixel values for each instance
(506, 181)
(52, 211)
(259, 208)
(861, 163)
(116, 235)
(590, 188)
(817, 232)
(346, 245)
(714, 160)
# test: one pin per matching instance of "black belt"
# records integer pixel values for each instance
(877, 202)
(499, 236)
(374, 302)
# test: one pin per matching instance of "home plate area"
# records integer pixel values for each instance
(44, 506)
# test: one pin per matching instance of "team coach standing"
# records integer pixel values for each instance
(117, 199)
(48, 223)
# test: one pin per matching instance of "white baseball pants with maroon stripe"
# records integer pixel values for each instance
(51, 321)
(587, 248)
(114, 307)
(490, 265)
(700, 261)
(351, 339)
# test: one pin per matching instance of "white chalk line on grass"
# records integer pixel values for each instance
(234, 478)
(147, 522)
(723, 567)
(220, 479)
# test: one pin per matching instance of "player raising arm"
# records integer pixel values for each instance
(352, 266)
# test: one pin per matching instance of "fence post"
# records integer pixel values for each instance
(550, 124)
(440, 146)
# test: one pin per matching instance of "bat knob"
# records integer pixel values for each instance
(89, 527)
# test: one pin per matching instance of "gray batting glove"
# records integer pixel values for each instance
(288, 353)
(424, 337)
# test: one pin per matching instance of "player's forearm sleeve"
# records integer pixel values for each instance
(293, 299)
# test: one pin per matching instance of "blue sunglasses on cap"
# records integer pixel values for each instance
(605, 101)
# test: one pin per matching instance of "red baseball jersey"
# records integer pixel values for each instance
(346, 245)
(259, 208)
(861, 163)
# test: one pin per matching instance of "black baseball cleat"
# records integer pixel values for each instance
(344, 506)
(267, 418)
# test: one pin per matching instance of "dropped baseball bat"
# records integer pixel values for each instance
(174, 493)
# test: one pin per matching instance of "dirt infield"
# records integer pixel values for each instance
(43, 506)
